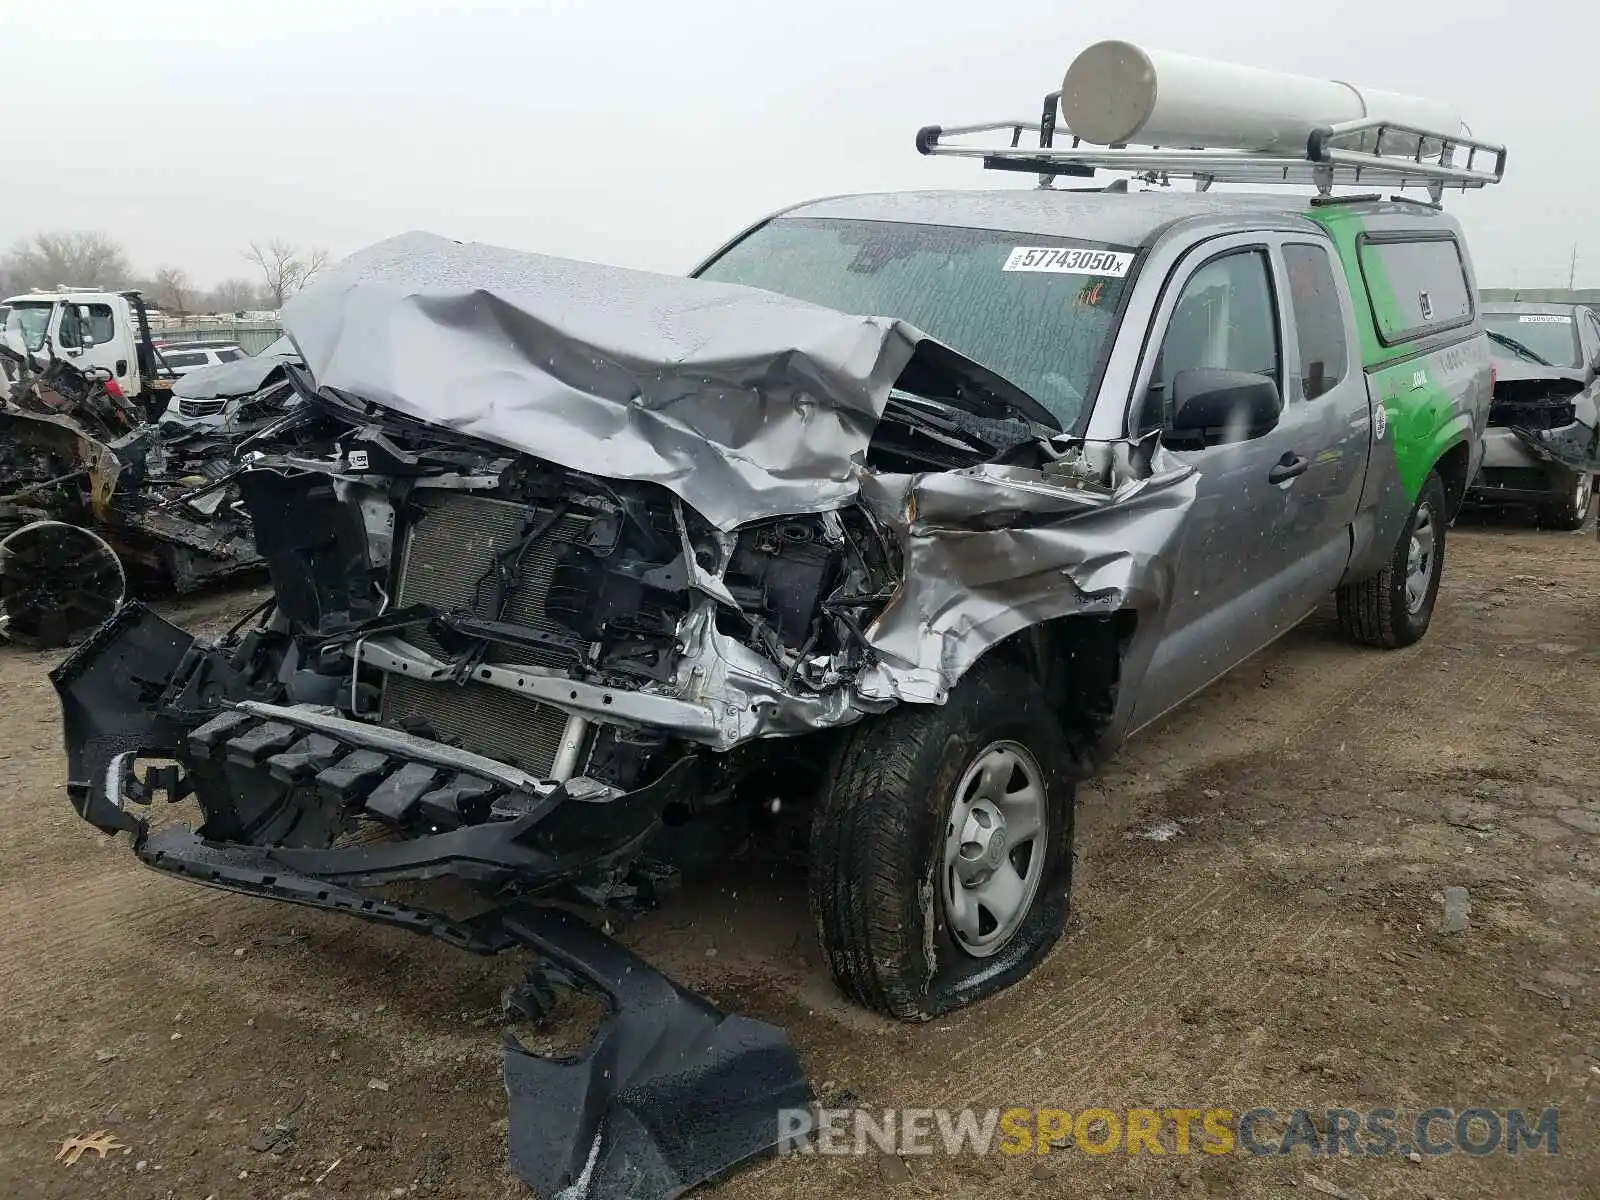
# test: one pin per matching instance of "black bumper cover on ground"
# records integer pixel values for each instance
(672, 1091)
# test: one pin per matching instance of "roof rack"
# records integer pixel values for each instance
(1112, 88)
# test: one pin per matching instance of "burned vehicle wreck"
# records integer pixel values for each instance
(602, 559)
(95, 503)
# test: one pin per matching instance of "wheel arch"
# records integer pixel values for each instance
(1077, 660)
(1453, 466)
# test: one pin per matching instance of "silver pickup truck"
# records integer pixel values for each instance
(584, 576)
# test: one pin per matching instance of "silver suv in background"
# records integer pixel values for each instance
(1540, 448)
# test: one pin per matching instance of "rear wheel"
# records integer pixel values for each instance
(1393, 608)
(942, 853)
(1572, 510)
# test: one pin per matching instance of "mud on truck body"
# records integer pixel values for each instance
(580, 573)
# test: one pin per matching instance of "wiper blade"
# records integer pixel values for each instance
(939, 422)
(1516, 347)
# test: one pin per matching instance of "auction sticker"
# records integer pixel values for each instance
(1544, 319)
(1064, 260)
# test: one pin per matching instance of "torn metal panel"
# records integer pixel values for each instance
(672, 1092)
(994, 550)
(42, 457)
(743, 403)
(1575, 446)
(58, 388)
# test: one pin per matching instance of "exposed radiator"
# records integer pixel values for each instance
(448, 549)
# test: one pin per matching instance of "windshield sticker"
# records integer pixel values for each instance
(1063, 260)
(1544, 319)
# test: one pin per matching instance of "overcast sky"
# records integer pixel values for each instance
(643, 133)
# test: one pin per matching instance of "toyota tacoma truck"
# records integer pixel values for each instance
(582, 573)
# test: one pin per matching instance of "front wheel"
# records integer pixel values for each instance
(1393, 608)
(942, 853)
(1572, 510)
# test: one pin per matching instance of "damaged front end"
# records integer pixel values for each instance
(671, 1092)
(1543, 434)
(536, 622)
(503, 673)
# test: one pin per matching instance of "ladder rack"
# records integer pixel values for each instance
(1349, 153)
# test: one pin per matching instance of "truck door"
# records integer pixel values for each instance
(1251, 564)
(103, 340)
(1327, 401)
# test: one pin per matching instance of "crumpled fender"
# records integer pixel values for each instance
(994, 550)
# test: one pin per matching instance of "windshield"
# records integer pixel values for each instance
(28, 322)
(1044, 320)
(1550, 339)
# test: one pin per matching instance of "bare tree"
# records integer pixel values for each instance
(286, 268)
(78, 258)
(232, 295)
(170, 289)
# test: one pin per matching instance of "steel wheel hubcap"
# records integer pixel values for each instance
(1419, 559)
(994, 849)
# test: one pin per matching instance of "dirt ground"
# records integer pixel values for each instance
(1284, 950)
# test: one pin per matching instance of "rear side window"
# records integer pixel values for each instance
(1318, 318)
(197, 359)
(227, 355)
(1417, 286)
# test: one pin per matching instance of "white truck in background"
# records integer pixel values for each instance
(95, 331)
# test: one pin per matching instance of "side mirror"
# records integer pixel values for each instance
(1214, 408)
(85, 329)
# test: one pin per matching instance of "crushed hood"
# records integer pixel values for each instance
(744, 403)
(241, 377)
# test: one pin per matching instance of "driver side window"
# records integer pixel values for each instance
(68, 335)
(1225, 318)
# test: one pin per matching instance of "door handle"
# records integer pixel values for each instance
(1290, 465)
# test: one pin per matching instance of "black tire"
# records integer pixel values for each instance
(1571, 511)
(1375, 611)
(879, 840)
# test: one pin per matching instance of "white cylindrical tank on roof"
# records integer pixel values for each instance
(1116, 93)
